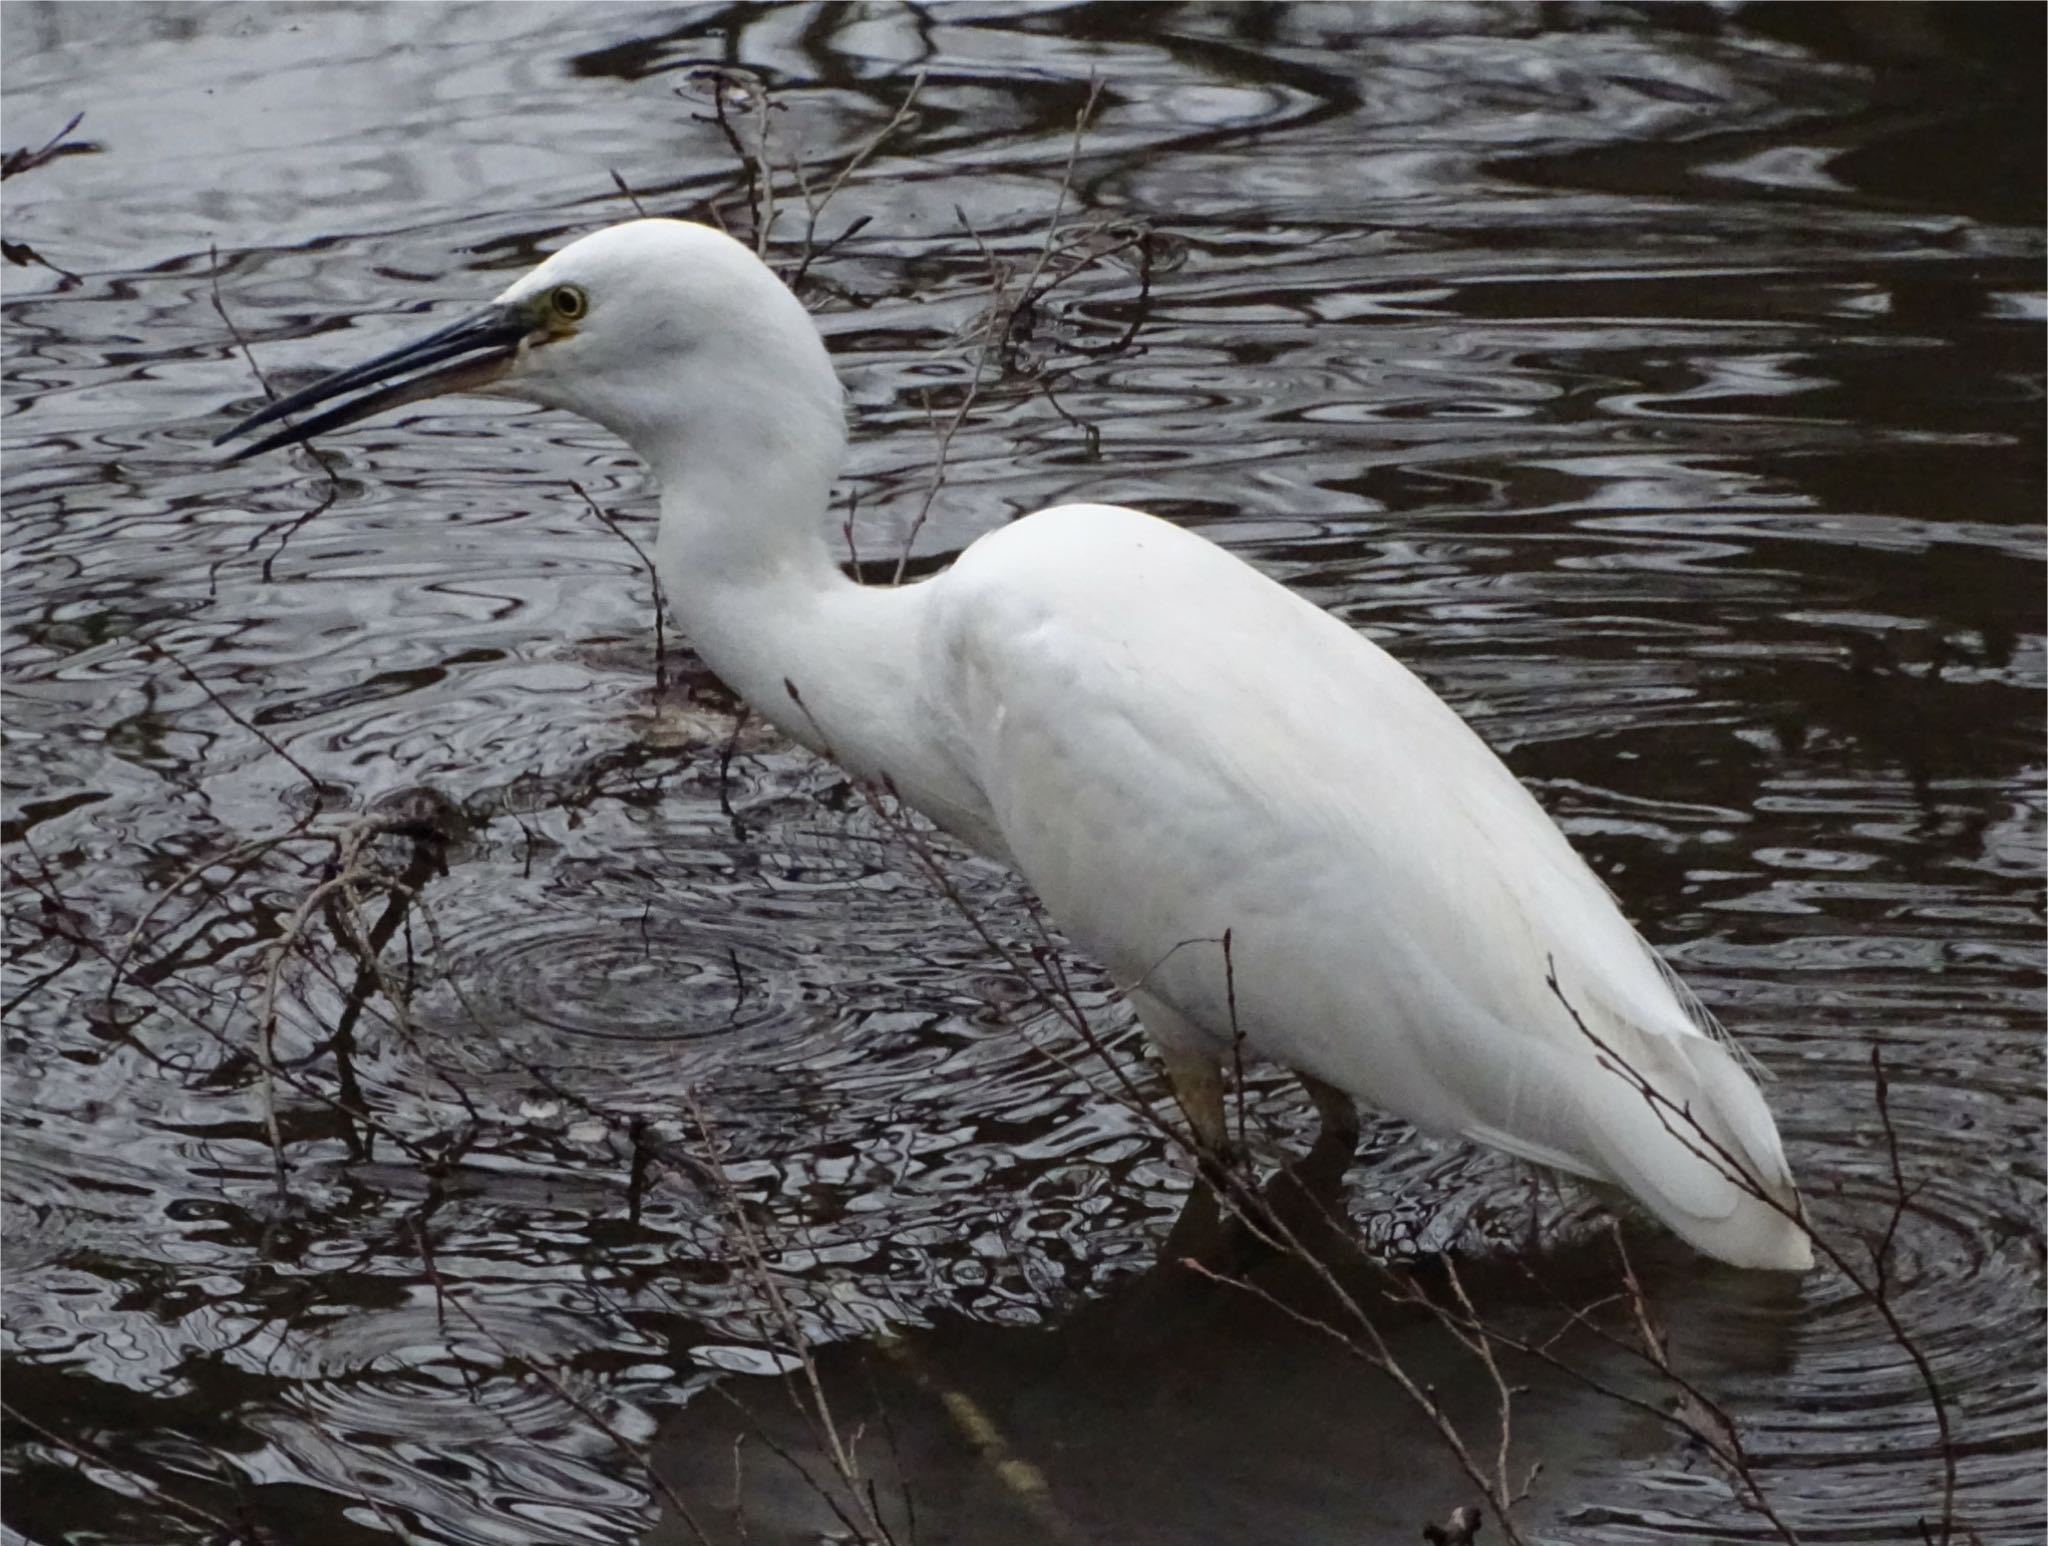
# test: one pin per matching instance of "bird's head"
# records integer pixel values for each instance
(670, 334)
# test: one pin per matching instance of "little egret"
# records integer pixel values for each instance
(1167, 744)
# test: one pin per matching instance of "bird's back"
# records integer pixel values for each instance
(1173, 746)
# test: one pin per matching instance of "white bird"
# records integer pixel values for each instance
(1167, 744)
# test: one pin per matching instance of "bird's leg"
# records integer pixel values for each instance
(1304, 1202)
(1337, 1134)
(1197, 1083)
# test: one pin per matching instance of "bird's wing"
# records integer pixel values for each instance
(1174, 747)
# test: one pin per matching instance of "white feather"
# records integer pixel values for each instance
(1170, 747)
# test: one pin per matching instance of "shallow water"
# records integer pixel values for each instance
(1664, 386)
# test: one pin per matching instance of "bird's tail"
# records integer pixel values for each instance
(1681, 1124)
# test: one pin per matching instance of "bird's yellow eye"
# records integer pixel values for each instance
(568, 302)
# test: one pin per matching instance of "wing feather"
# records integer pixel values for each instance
(1173, 746)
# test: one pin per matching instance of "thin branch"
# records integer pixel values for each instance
(632, 198)
(156, 651)
(653, 576)
(1705, 1146)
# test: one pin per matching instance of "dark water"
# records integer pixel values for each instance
(1664, 385)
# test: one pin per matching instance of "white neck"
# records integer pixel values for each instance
(748, 562)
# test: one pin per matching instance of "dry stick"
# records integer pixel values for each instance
(997, 329)
(351, 870)
(1236, 1036)
(815, 209)
(1140, 311)
(1705, 1146)
(999, 289)
(236, 856)
(719, 82)
(1059, 208)
(266, 1026)
(1901, 1193)
(1481, 1344)
(864, 1491)
(1277, 1235)
(428, 859)
(1722, 1440)
(632, 198)
(782, 1453)
(1656, 1349)
(846, 530)
(725, 756)
(653, 575)
(1140, 308)
(942, 449)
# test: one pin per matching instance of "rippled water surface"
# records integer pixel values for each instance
(1664, 385)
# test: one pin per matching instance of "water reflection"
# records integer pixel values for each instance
(1663, 385)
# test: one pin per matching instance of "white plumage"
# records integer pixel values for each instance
(1164, 742)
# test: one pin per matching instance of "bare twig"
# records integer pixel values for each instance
(1375, 1352)
(653, 576)
(1902, 1195)
(791, 1329)
(156, 651)
(333, 490)
(1679, 1121)
(815, 207)
(631, 197)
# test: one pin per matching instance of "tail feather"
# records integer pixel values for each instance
(1699, 1156)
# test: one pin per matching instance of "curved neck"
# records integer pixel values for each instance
(747, 558)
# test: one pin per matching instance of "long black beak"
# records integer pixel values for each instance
(481, 348)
